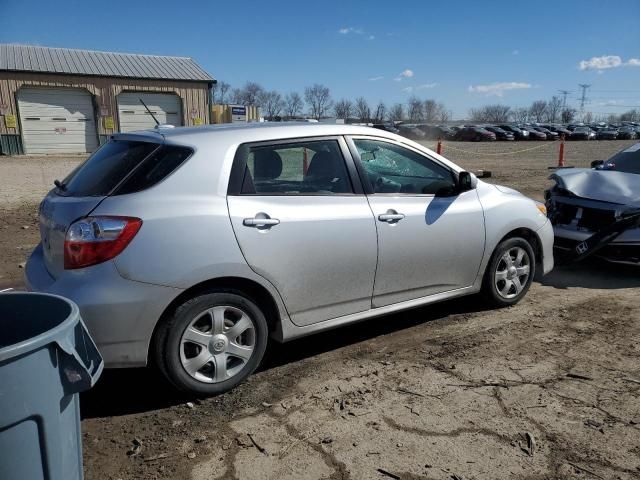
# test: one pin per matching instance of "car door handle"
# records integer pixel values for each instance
(391, 216)
(260, 222)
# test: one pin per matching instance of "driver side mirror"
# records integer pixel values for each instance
(597, 163)
(465, 182)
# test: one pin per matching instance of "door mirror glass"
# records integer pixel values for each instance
(465, 182)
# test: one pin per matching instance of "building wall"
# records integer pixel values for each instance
(194, 95)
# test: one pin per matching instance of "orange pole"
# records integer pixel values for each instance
(439, 147)
(561, 152)
(305, 161)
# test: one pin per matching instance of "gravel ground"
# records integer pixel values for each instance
(547, 389)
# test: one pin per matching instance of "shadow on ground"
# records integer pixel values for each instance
(593, 273)
(129, 391)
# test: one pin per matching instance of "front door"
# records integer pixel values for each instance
(303, 223)
(430, 239)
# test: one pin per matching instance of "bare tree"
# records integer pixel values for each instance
(630, 116)
(396, 113)
(343, 109)
(587, 117)
(318, 98)
(362, 110)
(272, 104)
(219, 92)
(491, 113)
(415, 109)
(430, 111)
(293, 104)
(251, 94)
(554, 106)
(236, 96)
(444, 115)
(520, 114)
(537, 110)
(381, 112)
(223, 89)
(567, 115)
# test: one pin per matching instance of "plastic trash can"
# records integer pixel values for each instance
(46, 358)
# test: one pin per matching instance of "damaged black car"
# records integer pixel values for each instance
(596, 211)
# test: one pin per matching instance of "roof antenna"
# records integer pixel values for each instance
(150, 112)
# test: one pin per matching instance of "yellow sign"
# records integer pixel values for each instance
(10, 121)
(108, 122)
(197, 121)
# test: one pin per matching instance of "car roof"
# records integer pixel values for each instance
(252, 132)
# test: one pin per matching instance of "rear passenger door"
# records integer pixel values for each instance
(302, 221)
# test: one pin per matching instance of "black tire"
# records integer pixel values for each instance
(167, 346)
(490, 290)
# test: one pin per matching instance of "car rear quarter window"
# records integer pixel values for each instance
(120, 167)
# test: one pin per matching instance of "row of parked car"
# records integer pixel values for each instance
(510, 132)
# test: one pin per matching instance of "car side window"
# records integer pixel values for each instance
(300, 168)
(391, 168)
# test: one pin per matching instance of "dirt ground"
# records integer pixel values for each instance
(548, 389)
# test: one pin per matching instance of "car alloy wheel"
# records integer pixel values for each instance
(512, 272)
(217, 344)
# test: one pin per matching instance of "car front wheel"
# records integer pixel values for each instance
(509, 273)
(212, 342)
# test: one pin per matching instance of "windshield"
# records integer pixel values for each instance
(627, 160)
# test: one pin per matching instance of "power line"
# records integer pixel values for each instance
(564, 94)
(583, 99)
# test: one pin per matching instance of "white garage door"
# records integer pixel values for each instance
(57, 120)
(133, 116)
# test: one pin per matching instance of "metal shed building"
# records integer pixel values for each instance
(60, 100)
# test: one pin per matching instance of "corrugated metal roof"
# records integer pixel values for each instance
(27, 58)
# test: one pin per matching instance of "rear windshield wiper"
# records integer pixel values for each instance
(61, 186)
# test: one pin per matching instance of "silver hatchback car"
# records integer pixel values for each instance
(189, 247)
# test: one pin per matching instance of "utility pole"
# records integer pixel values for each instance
(564, 94)
(583, 99)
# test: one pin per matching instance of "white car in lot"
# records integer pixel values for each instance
(188, 247)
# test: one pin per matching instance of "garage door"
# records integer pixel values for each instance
(57, 120)
(133, 116)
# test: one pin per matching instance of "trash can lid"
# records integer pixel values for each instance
(29, 321)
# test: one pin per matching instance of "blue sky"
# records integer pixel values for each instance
(462, 53)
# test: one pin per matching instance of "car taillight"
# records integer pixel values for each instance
(94, 240)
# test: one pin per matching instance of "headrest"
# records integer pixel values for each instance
(267, 164)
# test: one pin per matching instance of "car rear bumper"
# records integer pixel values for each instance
(120, 314)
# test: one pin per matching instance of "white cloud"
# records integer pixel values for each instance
(601, 63)
(347, 30)
(371, 37)
(515, 52)
(498, 88)
(426, 85)
(375, 79)
(408, 73)
(407, 89)
(606, 62)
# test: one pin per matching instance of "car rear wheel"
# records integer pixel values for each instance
(212, 342)
(509, 273)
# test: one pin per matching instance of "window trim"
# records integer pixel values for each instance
(368, 188)
(238, 168)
